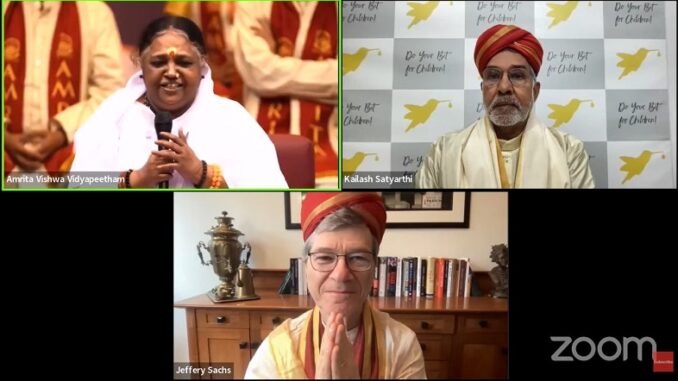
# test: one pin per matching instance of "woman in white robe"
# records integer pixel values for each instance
(213, 142)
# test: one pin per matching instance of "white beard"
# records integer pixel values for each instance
(509, 116)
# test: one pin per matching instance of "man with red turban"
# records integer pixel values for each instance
(509, 147)
(342, 337)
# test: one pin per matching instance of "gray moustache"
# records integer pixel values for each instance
(504, 102)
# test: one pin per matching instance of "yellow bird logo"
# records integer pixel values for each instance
(634, 166)
(353, 61)
(351, 165)
(420, 114)
(421, 12)
(563, 114)
(632, 62)
(561, 12)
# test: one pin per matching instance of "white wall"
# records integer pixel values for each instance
(261, 216)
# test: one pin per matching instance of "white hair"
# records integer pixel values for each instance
(340, 218)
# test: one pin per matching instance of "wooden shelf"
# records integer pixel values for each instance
(270, 300)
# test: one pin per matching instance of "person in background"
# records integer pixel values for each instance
(215, 19)
(342, 337)
(213, 142)
(286, 53)
(509, 147)
(62, 59)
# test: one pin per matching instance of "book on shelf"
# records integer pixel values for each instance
(462, 277)
(295, 275)
(392, 272)
(430, 277)
(405, 276)
(399, 278)
(286, 286)
(375, 281)
(382, 276)
(439, 280)
(421, 279)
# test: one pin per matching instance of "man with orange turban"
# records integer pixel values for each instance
(343, 336)
(509, 147)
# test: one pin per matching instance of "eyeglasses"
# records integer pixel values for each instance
(519, 77)
(326, 261)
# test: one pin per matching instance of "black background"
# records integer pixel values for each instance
(92, 296)
(590, 263)
(88, 281)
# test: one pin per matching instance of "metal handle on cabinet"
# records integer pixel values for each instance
(276, 320)
(243, 344)
(255, 345)
(483, 324)
(423, 346)
(425, 325)
(222, 319)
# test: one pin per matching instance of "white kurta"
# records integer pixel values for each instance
(121, 135)
(510, 152)
(266, 74)
(549, 158)
(101, 69)
(404, 359)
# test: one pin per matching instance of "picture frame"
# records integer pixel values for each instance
(292, 210)
(454, 214)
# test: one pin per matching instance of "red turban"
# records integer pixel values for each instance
(317, 205)
(500, 37)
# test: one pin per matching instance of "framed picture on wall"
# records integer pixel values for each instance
(292, 210)
(405, 209)
(427, 209)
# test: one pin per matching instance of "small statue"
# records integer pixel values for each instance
(247, 247)
(500, 274)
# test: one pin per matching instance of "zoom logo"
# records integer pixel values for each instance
(608, 348)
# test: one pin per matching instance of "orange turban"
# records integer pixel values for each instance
(500, 37)
(317, 205)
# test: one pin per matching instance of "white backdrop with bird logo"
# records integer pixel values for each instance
(409, 77)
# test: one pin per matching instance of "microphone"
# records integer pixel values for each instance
(163, 123)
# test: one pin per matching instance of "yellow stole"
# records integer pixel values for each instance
(291, 358)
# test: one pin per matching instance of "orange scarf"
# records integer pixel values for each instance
(63, 80)
(321, 43)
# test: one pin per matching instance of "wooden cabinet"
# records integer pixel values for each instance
(264, 322)
(460, 338)
(222, 336)
(481, 347)
(434, 333)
